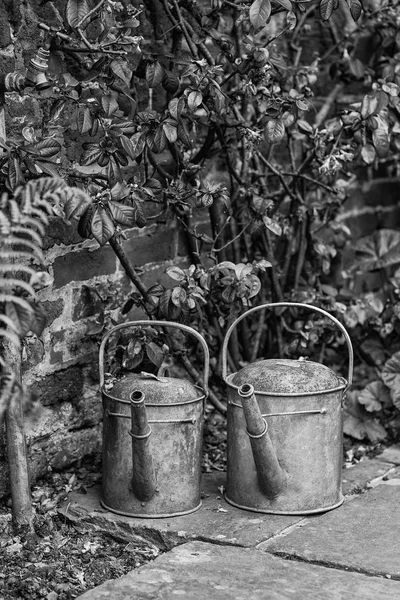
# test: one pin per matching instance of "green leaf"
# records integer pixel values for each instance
(170, 131)
(138, 141)
(326, 8)
(15, 176)
(127, 146)
(194, 99)
(380, 139)
(76, 11)
(91, 154)
(170, 82)
(369, 105)
(368, 154)
(357, 422)
(357, 68)
(122, 214)
(102, 226)
(178, 296)
(119, 191)
(21, 314)
(374, 396)
(183, 133)
(46, 148)
(285, 3)
(85, 120)
(391, 377)
(274, 131)
(356, 8)
(260, 12)
(120, 69)
(175, 273)
(154, 74)
(109, 104)
(377, 251)
(77, 205)
(155, 354)
(85, 223)
(272, 225)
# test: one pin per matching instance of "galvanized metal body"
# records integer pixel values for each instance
(175, 414)
(301, 402)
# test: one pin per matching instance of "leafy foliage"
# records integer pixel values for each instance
(230, 119)
(23, 218)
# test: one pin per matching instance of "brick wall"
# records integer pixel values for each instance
(60, 368)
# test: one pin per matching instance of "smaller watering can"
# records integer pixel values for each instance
(152, 439)
(284, 431)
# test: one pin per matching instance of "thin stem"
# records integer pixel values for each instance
(90, 13)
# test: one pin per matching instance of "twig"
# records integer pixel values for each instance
(90, 13)
(190, 43)
(258, 334)
(278, 174)
(197, 379)
(326, 107)
(301, 254)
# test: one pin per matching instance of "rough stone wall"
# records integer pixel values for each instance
(60, 368)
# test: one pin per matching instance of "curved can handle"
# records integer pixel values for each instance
(287, 304)
(186, 328)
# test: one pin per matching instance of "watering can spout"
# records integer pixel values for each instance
(143, 483)
(270, 475)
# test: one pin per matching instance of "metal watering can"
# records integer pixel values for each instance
(152, 439)
(284, 431)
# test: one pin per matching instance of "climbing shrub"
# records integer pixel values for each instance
(263, 115)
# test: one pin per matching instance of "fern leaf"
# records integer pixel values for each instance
(13, 337)
(16, 300)
(10, 282)
(15, 268)
(36, 238)
(8, 322)
(13, 255)
(13, 240)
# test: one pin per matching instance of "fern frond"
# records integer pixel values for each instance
(8, 322)
(10, 283)
(5, 225)
(5, 267)
(31, 232)
(13, 255)
(16, 300)
(13, 337)
(13, 241)
(38, 225)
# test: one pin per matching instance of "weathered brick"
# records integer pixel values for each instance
(33, 352)
(53, 308)
(59, 232)
(61, 386)
(56, 354)
(83, 265)
(5, 34)
(155, 247)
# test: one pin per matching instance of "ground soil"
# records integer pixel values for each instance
(61, 562)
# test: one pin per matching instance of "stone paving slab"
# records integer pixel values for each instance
(199, 570)
(391, 454)
(362, 535)
(357, 478)
(215, 521)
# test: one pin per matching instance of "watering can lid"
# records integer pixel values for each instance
(287, 376)
(157, 390)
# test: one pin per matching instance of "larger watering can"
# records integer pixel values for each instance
(284, 431)
(152, 439)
